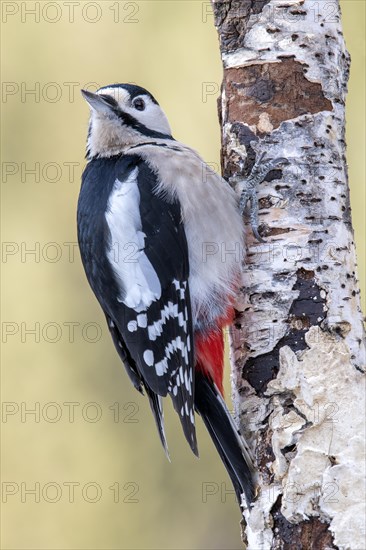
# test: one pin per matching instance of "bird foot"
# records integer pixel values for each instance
(247, 188)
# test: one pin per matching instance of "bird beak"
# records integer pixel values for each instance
(96, 102)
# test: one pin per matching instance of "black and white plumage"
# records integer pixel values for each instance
(148, 212)
(129, 239)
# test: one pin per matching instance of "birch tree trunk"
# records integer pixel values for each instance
(297, 345)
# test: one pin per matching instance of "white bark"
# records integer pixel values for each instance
(298, 351)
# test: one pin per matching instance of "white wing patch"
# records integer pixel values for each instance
(140, 285)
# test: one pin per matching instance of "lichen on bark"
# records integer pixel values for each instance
(297, 344)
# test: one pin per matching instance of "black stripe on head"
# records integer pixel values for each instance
(133, 90)
(127, 118)
(132, 122)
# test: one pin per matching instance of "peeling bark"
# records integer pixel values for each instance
(297, 344)
(271, 93)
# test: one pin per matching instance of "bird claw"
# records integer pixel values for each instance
(248, 189)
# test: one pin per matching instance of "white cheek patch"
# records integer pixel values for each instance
(153, 117)
(139, 283)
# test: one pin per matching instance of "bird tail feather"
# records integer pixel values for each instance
(228, 441)
(157, 410)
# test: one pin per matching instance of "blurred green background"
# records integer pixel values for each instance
(89, 451)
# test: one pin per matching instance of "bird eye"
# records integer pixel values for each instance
(139, 104)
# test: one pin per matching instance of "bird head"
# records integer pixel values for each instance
(123, 115)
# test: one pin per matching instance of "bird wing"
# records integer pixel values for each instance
(139, 273)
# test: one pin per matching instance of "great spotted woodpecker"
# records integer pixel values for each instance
(150, 215)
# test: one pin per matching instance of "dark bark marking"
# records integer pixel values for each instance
(265, 456)
(279, 90)
(231, 20)
(307, 535)
(245, 136)
(266, 231)
(306, 311)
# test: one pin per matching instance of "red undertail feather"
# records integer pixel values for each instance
(210, 350)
